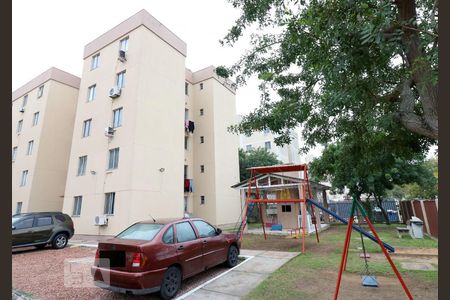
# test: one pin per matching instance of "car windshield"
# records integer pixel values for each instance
(140, 231)
(15, 219)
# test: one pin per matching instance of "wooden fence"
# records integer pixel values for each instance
(426, 210)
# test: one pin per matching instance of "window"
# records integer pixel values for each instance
(168, 236)
(185, 232)
(185, 143)
(120, 82)
(202, 168)
(23, 180)
(19, 126)
(201, 112)
(266, 131)
(204, 229)
(113, 158)
(91, 93)
(202, 139)
(201, 86)
(285, 208)
(26, 223)
(248, 147)
(35, 118)
(202, 200)
(43, 221)
(109, 203)
(185, 171)
(60, 218)
(268, 145)
(186, 88)
(77, 205)
(30, 147)
(25, 101)
(40, 91)
(19, 208)
(117, 117)
(94, 61)
(14, 153)
(82, 161)
(87, 128)
(124, 44)
(140, 231)
(185, 203)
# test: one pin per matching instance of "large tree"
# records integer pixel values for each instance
(255, 158)
(334, 63)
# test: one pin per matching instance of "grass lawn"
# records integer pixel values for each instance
(315, 273)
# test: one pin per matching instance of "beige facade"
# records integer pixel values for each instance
(45, 108)
(138, 170)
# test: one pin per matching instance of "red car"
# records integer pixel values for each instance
(153, 256)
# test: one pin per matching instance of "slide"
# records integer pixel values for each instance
(365, 233)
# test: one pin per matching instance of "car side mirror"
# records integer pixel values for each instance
(13, 227)
(218, 231)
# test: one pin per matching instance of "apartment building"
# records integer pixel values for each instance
(43, 113)
(265, 139)
(149, 138)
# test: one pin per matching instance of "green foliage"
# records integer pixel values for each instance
(255, 158)
(334, 64)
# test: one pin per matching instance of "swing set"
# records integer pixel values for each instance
(305, 197)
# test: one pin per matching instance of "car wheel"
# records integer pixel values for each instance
(171, 283)
(60, 241)
(41, 246)
(232, 258)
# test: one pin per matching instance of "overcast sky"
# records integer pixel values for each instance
(48, 33)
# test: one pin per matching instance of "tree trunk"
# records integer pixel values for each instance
(425, 124)
(379, 200)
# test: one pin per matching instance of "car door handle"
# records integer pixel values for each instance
(205, 241)
(181, 247)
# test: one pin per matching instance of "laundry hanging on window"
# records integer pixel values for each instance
(186, 185)
(189, 185)
(191, 127)
(186, 125)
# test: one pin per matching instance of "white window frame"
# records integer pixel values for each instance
(35, 119)
(120, 79)
(123, 44)
(40, 91)
(19, 207)
(248, 147)
(117, 117)
(77, 202)
(110, 199)
(19, 126)
(268, 143)
(82, 163)
(113, 159)
(95, 61)
(14, 153)
(30, 147)
(25, 100)
(87, 124)
(91, 93)
(24, 178)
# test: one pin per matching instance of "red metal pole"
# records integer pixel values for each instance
(262, 220)
(312, 207)
(341, 268)
(348, 247)
(389, 258)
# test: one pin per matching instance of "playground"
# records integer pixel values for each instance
(313, 275)
(363, 261)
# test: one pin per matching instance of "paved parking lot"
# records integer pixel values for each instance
(65, 274)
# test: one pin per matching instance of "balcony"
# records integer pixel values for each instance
(188, 185)
(189, 126)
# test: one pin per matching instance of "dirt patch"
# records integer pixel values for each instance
(416, 251)
(321, 284)
(41, 273)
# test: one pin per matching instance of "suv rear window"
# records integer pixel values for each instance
(60, 217)
(140, 231)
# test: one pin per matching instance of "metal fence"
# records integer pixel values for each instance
(342, 208)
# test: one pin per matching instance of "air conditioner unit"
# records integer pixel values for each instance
(101, 220)
(114, 92)
(109, 131)
(122, 55)
(22, 109)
